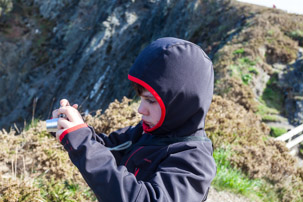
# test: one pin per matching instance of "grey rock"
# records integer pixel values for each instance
(292, 82)
(84, 49)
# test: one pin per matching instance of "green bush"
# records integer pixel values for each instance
(296, 35)
(246, 78)
(239, 51)
(229, 178)
(272, 95)
(247, 61)
(5, 6)
(276, 131)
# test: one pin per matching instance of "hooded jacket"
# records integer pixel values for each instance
(171, 161)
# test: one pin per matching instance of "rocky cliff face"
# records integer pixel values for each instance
(82, 50)
(292, 82)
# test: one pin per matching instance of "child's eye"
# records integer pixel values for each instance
(150, 101)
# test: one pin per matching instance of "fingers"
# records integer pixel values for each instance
(72, 114)
(55, 113)
(64, 102)
(63, 123)
(75, 106)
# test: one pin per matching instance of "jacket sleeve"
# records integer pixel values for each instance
(171, 182)
(120, 136)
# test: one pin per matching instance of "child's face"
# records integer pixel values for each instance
(150, 109)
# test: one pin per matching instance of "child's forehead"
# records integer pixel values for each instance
(146, 93)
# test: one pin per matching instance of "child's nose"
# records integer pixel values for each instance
(142, 110)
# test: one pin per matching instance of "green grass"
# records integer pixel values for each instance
(246, 62)
(270, 118)
(277, 131)
(273, 97)
(33, 124)
(301, 149)
(267, 113)
(296, 34)
(244, 68)
(263, 109)
(246, 78)
(229, 178)
(67, 191)
(235, 71)
(239, 51)
(253, 70)
(5, 6)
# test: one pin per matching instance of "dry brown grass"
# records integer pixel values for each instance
(237, 92)
(266, 38)
(255, 153)
(35, 167)
(31, 160)
(229, 123)
(118, 115)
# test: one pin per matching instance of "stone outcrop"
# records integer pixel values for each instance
(82, 50)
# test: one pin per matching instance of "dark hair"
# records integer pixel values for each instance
(138, 88)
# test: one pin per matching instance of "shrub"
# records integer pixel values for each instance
(31, 161)
(272, 95)
(237, 92)
(276, 131)
(5, 6)
(118, 115)
(239, 51)
(229, 123)
(234, 180)
(254, 152)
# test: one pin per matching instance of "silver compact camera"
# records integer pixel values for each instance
(52, 124)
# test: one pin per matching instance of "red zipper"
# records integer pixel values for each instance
(132, 155)
(136, 171)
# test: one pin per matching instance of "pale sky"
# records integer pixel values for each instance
(291, 6)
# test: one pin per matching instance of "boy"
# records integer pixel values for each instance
(168, 156)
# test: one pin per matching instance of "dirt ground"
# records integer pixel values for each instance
(219, 196)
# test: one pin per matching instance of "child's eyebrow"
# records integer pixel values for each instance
(148, 96)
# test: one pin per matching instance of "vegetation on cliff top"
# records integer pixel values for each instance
(34, 167)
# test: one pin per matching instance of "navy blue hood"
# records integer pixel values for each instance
(180, 76)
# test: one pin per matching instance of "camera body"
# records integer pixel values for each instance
(52, 124)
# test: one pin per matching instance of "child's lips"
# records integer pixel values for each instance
(147, 123)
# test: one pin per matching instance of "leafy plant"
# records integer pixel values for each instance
(296, 35)
(253, 70)
(5, 6)
(277, 131)
(273, 95)
(246, 78)
(239, 51)
(235, 181)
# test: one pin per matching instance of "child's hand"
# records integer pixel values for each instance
(72, 119)
(63, 103)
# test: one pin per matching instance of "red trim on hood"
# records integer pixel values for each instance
(158, 98)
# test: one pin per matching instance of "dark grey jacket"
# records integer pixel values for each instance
(169, 162)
